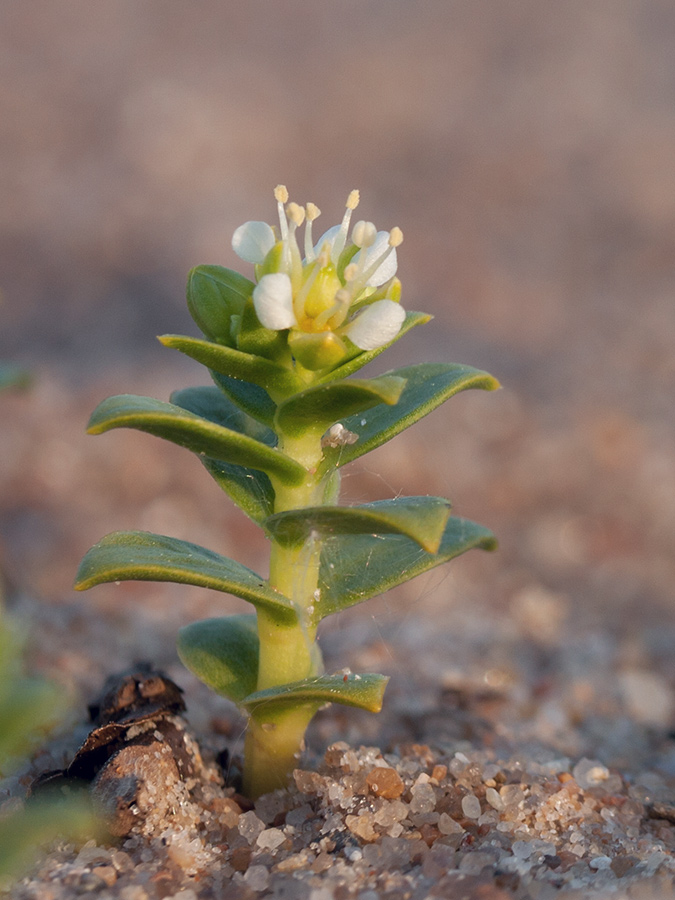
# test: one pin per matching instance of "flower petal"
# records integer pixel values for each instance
(329, 238)
(388, 268)
(273, 301)
(252, 241)
(378, 324)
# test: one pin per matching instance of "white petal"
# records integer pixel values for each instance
(327, 237)
(273, 301)
(378, 324)
(252, 241)
(388, 268)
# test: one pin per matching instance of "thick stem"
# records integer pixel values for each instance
(287, 654)
(271, 751)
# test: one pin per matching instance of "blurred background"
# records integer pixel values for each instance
(527, 151)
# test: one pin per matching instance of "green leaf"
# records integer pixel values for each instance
(22, 833)
(427, 386)
(250, 489)
(210, 403)
(277, 380)
(214, 295)
(423, 519)
(319, 407)
(254, 338)
(355, 568)
(362, 691)
(250, 398)
(174, 424)
(361, 358)
(222, 653)
(13, 376)
(141, 556)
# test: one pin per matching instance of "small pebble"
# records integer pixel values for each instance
(270, 839)
(257, 878)
(107, 874)
(250, 826)
(493, 798)
(471, 806)
(385, 782)
(447, 825)
(521, 849)
(424, 799)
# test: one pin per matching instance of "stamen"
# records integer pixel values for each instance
(351, 271)
(395, 237)
(341, 237)
(281, 196)
(337, 313)
(296, 214)
(302, 294)
(281, 193)
(324, 254)
(313, 212)
(361, 279)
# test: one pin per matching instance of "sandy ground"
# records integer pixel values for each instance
(527, 155)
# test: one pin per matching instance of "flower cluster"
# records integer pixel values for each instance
(345, 288)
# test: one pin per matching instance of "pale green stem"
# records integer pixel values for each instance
(271, 750)
(287, 653)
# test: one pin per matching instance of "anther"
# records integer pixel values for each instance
(281, 196)
(341, 236)
(353, 200)
(313, 212)
(281, 193)
(295, 213)
(351, 271)
(395, 237)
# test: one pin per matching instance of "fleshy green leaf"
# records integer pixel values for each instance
(174, 424)
(260, 341)
(13, 376)
(250, 489)
(361, 358)
(362, 691)
(357, 567)
(22, 833)
(250, 398)
(277, 380)
(423, 519)
(214, 295)
(210, 403)
(427, 386)
(223, 653)
(319, 407)
(141, 556)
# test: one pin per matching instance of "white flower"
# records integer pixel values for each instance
(315, 297)
(376, 325)
(387, 268)
(273, 301)
(253, 241)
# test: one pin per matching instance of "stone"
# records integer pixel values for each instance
(385, 782)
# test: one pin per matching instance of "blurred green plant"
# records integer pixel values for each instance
(13, 376)
(29, 708)
(274, 432)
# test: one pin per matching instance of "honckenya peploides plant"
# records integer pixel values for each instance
(283, 418)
